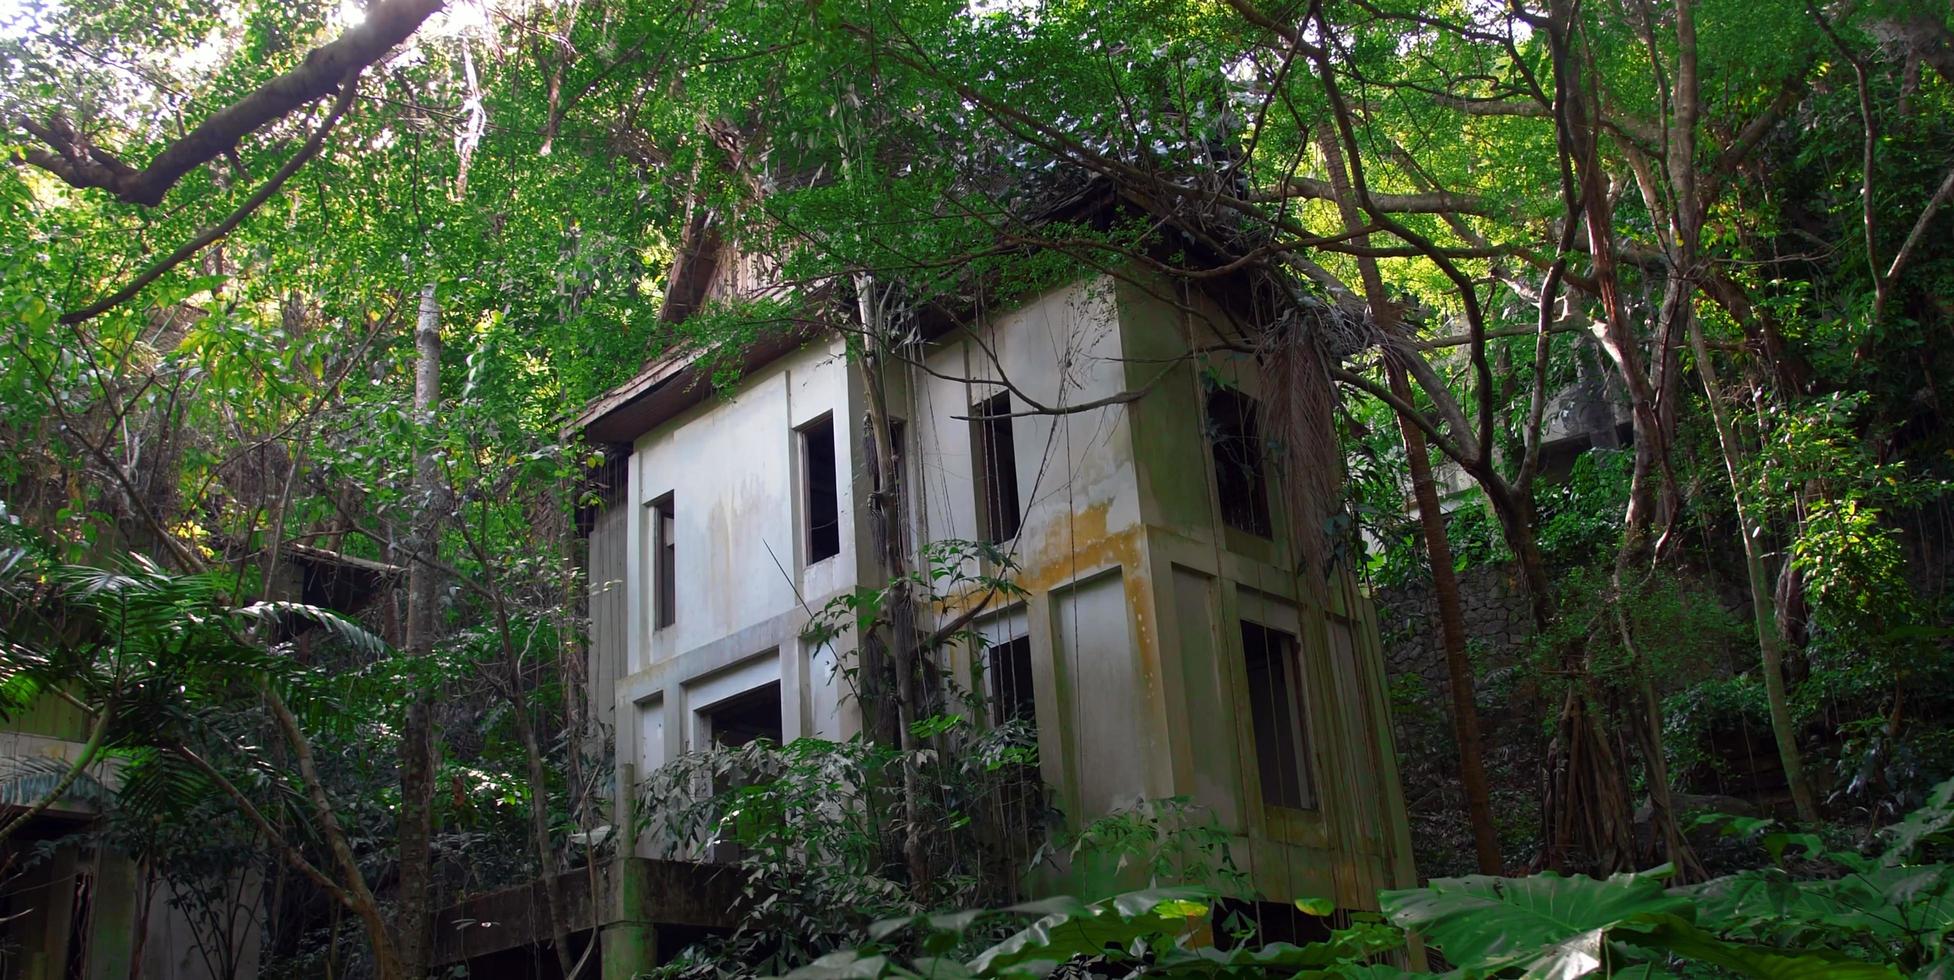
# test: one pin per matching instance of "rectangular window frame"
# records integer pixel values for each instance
(1239, 461)
(1279, 717)
(1011, 682)
(820, 489)
(994, 463)
(664, 560)
(719, 733)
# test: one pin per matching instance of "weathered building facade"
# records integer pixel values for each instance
(1171, 646)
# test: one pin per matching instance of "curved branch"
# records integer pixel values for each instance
(1429, 202)
(1404, 409)
(251, 812)
(83, 760)
(83, 165)
(230, 222)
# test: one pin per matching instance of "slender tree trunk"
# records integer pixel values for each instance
(1438, 548)
(145, 899)
(83, 759)
(539, 815)
(532, 748)
(900, 603)
(1651, 499)
(1514, 512)
(414, 916)
(357, 895)
(1451, 619)
(1763, 608)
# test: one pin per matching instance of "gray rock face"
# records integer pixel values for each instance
(1497, 620)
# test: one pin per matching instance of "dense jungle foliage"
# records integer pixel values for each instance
(1635, 316)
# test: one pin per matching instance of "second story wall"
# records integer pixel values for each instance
(719, 499)
(1060, 349)
(1086, 620)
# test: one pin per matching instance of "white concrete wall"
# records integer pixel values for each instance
(733, 466)
(1059, 349)
(1102, 731)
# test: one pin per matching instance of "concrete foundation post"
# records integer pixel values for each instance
(628, 943)
(112, 931)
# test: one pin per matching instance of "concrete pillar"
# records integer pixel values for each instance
(42, 928)
(627, 945)
(628, 942)
(112, 929)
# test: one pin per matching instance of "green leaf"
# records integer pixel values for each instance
(1545, 922)
(1684, 939)
(848, 965)
(1921, 826)
(1319, 907)
(1940, 969)
(1069, 928)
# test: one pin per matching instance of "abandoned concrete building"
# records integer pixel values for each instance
(1163, 645)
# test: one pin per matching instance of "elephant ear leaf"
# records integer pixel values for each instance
(1681, 938)
(1545, 925)
(1068, 928)
(1926, 825)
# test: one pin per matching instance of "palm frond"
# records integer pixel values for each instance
(337, 626)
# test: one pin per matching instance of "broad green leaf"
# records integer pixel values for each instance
(1071, 928)
(1319, 907)
(1544, 922)
(848, 965)
(1921, 826)
(1678, 936)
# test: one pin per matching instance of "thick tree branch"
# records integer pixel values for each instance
(1923, 37)
(230, 222)
(1920, 224)
(292, 855)
(1634, 129)
(1406, 409)
(81, 164)
(83, 759)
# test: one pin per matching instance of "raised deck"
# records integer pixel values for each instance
(633, 907)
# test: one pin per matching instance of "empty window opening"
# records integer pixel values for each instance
(1275, 693)
(746, 717)
(665, 558)
(823, 490)
(1240, 477)
(1012, 695)
(1020, 793)
(742, 719)
(997, 464)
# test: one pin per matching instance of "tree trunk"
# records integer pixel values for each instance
(413, 922)
(899, 602)
(1763, 608)
(539, 810)
(356, 895)
(1438, 548)
(1451, 619)
(1651, 499)
(83, 759)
